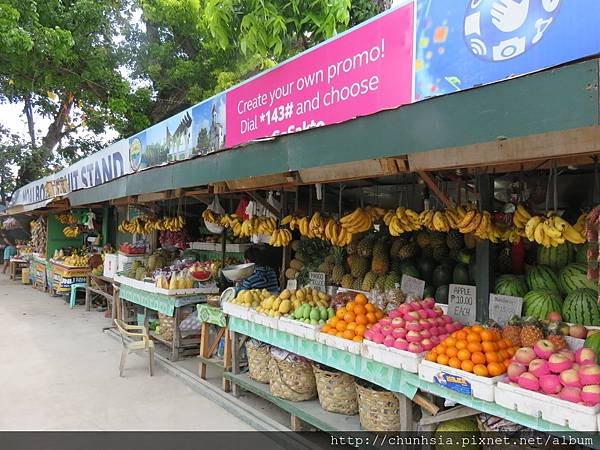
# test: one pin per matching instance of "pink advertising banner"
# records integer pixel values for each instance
(362, 72)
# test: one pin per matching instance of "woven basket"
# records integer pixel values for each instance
(167, 325)
(378, 410)
(336, 391)
(292, 380)
(258, 361)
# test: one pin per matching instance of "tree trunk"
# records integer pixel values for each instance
(28, 111)
(55, 130)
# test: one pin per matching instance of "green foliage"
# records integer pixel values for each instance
(11, 150)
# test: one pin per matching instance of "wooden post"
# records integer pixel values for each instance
(88, 294)
(176, 336)
(435, 189)
(227, 359)
(235, 360)
(484, 272)
(406, 413)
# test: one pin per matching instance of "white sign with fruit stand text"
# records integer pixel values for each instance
(504, 307)
(412, 285)
(462, 303)
(317, 280)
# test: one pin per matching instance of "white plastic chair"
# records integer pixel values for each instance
(141, 342)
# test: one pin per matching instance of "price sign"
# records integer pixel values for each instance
(292, 285)
(412, 285)
(317, 280)
(462, 303)
(504, 307)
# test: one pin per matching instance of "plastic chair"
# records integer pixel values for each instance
(74, 288)
(141, 342)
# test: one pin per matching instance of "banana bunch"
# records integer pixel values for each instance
(256, 225)
(361, 219)
(303, 225)
(210, 216)
(71, 232)
(434, 220)
(513, 235)
(265, 225)
(76, 261)
(521, 217)
(293, 222)
(281, 237)
(166, 224)
(376, 213)
(67, 219)
(230, 221)
(580, 224)
(316, 225)
(552, 231)
(336, 234)
(401, 220)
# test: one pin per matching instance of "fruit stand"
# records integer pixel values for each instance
(38, 272)
(63, 275)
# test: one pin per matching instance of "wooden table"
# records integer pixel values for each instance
(17, 265)
(212, 316)
(104, 287)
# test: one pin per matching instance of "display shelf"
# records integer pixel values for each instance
(309, 411)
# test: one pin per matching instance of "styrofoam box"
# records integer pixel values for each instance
(208, 246)
(481, 387)
(269, 322)
(572, 415)
(391, 356)
(234, 310)
(297, 328)
(211, 288)
(125, 261)
(339, 343)
(111, 262)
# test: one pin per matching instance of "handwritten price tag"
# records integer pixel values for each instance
(317, 280)
(462, 303)
(504, 307)
(291, 285)
(412, 285)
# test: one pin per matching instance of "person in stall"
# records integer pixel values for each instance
(9, 251)
(264, 277)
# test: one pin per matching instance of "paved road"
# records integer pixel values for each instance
(58, 371)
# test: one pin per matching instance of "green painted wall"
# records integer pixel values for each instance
(56, 238)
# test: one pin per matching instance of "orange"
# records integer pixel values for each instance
(443, 359)
(487, 335)
(333, 321)
(501, 344)
(461, 344)
(503, 354)
(477, 328)
(431, 356)
(495, 369)
(508, 342)
(379, 314)
(360, 330)
(511, 351)
(478, 358)
(325, 329)
(450, 341)
(473, 337)
(489, 346)
(454, 334)
(348, 334)
(454, 362)
(333, 332)
(451, 351)
(440, 348)
(340, 334)
(360, 299)
(351, 326)
(361, 319)
(491, 357)
(371, 318)
(369, 308)
(461, 335)
(350, 306)
(340, 312)
(357, 338)
(341, 326)
(481, 370)
(506, 363)
(464, 354)
(369, 326)
(467, 365)
(349, 317)
(474, 347)
(359, 309)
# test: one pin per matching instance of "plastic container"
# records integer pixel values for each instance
(297, 328)
(110, 265)
(567, 414)
(458, 380)
(269, 322)
(340, 343)
(391, 356)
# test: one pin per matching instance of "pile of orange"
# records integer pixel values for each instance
(475, 349)
(352, 320)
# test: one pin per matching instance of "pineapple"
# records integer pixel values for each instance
(531, 332)
(556, 336)
(391, 280)
(369, 281)
(325, 268)
(397, 244)
(408, 251)
(347, 281)
(365, 246)
(512, 331)
(423, 239)
(330, 259)
(454, 240)
(357, 284)
(337, 274)
(381, 262)
(359, 266)
(352, 247)
(380, 283)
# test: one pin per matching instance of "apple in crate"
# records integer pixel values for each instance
(415, 347)
(386, 330)
(539, 367)
(558, 363)
(528, 381)
(550, 384)
(591, 394)
(398, 322)
(515, 370)
(525, 355)
(570, 378)
(578, 331)
(569, 354)
(401, 344)
(589, 375)
(389, 340)
(570, 394)
(585, 356)
(544, 349)
(399, 333)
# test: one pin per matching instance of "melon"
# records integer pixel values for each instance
(593, 342)
(460, 275)
(581, 253)
(442, 275)
(441, 294)
(512, 285)
(574, 276)
(581, 307)
(555, 257)
(542, 277)
(538, 303)
(426, 267)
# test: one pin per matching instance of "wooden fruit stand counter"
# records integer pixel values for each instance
(17, 265)
(63, 276)
(104, 287)
(38, 271)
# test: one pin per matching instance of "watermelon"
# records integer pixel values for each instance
(542, 277)
(538, 303)
(429, 291)
(581, 307)
(442, 275)
(410, 270)
(574, 276)
(512, 285)
(460, 274)
(593, 342)
(441, 294)
(555, 257)
(581, 253)
(426, 267)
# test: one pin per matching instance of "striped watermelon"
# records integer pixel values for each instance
(581, 253)
(555, 257)
(542, 277)
(512, 285)
(581, 307)
(573, 277)
(540, 302)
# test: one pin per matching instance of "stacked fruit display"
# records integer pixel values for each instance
(148, 225)
(38, 235)
(76, 260)
(479, 350)
(67, 219)
(568, 375)
(354, 319)
(415, 327)
(71, 231)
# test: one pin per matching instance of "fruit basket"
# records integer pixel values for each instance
(459, 380)
(297, 328)
(391, 356)
(561, 412)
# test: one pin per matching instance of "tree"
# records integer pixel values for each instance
(11, 151)
(59, 59)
